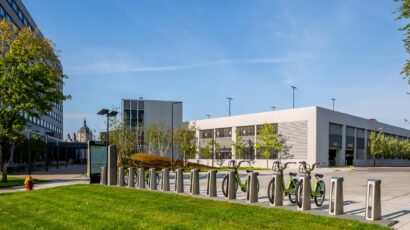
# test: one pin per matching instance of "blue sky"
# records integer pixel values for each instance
(200, 52)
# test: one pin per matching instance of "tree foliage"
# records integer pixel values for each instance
(185, 140)
(269, 142)
(122, 137)
(158, 139)
(240, 146)
(31, 82)
(382, 146)
(403, 12)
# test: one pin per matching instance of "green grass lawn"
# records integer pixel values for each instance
(18, 181)
(101, 207)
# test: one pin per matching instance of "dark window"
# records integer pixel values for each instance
(225, 132)
(335, 136)
(207, 133)
(224, 153)
(246, 130)
(349, 137)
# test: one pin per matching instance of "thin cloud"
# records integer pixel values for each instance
(109, 67)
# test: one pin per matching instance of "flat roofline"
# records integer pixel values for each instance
(125, 99)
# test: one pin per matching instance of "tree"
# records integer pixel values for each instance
(266, 141)
(185, 140)
(31, 83)
(240, 146)
(403, 12)
(122, 137)
(158, 139)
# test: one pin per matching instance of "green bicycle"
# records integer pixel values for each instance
(290, 190)
(239, 183)
(319, 191)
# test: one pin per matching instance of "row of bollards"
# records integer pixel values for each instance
(373, 194)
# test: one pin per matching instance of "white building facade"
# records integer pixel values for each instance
(315, 134)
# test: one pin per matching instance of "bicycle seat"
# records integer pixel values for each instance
(249, 171)
(292, 174)
(319, 175)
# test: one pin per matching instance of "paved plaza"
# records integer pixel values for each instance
(395, 188)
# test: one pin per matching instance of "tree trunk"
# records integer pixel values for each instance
(4, 172)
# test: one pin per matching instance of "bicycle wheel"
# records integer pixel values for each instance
(320, 193)
(292, 191)
(271, 191)
(299, 193)
(126, 174)
(225, 184)
(158, 179)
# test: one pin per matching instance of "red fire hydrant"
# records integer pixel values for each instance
(28, 183)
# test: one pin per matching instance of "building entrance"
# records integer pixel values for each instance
(332, 157)
(349, 157)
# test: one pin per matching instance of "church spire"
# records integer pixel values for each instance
(85, 122)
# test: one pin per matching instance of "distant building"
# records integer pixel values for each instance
(140, 114)
(84, 133)
(315, 134)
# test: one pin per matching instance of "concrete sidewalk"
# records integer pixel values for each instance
(70, 175)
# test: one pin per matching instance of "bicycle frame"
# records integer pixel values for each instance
(243, 186)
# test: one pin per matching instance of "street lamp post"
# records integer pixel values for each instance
(172, 132)
(229, 99)
(333, 103)
(109, 114)
(293, 92)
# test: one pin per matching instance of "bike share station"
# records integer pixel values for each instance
(299, 190)
(101, 163)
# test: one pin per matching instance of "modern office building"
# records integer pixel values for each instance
(14, 12)
(315, 134)
(141, 113)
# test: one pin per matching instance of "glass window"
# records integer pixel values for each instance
(224, 132)
(207, 133)
(14, 6)
(246, 130)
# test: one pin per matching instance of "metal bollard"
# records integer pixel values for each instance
(373, 200)
(131, 177)
(103, 178)
(211, 188)
(336, 196)
(120, 177)
(152, 179)
(278, 190)
(304, 180)
(252, 192)
(179, 180)
(231, 185)
(141, 178)
(112, 166)
(194, 189)
(165, 180)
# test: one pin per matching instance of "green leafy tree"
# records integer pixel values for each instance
(158, 139)
(266, 141)
(31, 83)
(185, 140)
(122, 137)
(376, 144)
(403, 12)
(240, 146)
